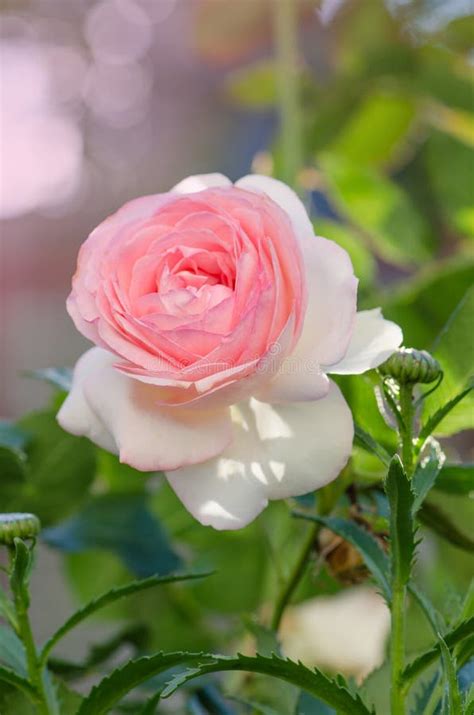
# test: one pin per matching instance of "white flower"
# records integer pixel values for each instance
(214, 368)
(345, 633)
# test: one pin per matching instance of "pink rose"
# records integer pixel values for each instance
(218, 315)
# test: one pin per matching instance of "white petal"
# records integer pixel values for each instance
(373, 341)
(76, 416)
(277, 451)
(145, 436)
(192, 184)
(332, 292)
(285, 197)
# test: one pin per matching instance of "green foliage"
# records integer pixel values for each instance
(380, 208)
(454, 348)
(59, 471)
(438, 521)
(14, 475)
(460, 632)
(377, 129)
(456, 479)
(9, 676)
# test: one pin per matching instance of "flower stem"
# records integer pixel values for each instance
(398, 610)
(407, 413)
(397, 648)
(295, 577)
(26, 635)
(286, 49)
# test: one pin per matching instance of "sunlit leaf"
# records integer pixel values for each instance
(454, 348)
(375, 132)
(380, 208)
(427, 472)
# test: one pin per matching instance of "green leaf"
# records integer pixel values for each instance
(422, 304)
(123, 524)
(12, 678)
(59, 377)
(12, 477)
(456, 635)
(366, 441)
(253, 87)
(450, 163)
(427, 472)
(452, 688)
(110, 597)
(442, 412)
(12, 652)
(377, 129)
(454, 348)
(61, 468)
(438, 521)
(456, 479)
(123, 680)
(312, 681)
(434, 618)
(374, 556)
(402, 540)
(380, 208)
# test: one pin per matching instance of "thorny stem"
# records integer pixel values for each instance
(26, 635)
(407, 413)
(398, 610)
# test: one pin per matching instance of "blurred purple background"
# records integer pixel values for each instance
(100, 102)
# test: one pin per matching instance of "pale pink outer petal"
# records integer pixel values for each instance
(199, 182)
(332, 301)
(278, 451)
(76, 416)
(103, 401)
(373, 341)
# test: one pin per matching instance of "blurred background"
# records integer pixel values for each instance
(367, 110)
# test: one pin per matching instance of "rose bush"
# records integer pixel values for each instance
(217, 316)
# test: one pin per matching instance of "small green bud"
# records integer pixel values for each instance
(409, 366)
(23, 526)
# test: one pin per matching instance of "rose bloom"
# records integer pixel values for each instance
(345, 633)
(217, 316)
